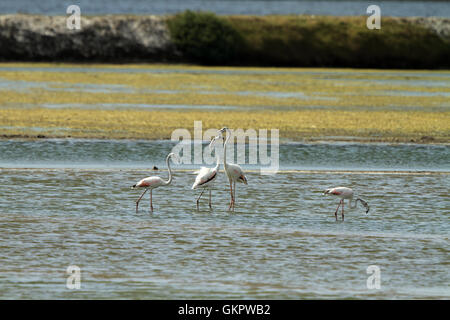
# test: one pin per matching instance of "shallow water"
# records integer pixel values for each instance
(141, 154)
(69, 202)
(255, 7)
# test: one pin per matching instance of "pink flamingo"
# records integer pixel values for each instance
(233, 171)
(206, 177)
(153, 182)
(345, 193)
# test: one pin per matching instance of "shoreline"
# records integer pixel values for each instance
(186, 66)
(309, 140)
(267, 41)
(282, 171)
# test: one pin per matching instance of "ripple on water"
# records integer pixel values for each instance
(282, 241)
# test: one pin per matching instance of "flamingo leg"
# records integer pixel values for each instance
(151, 201)
(343, 210)
(335, 213)
(234, 194)
(210, 206)
(137, 201)
(231, 192)
(198, 199)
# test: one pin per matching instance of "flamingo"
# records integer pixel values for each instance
(206, 177)
(153, 182)
(233, 171)
(345, 193)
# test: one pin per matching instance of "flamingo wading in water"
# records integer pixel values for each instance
(206, 177)
(233, 171)
(153, 182)
(345, 193)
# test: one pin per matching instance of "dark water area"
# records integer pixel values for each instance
(251, 7)
(81, 153)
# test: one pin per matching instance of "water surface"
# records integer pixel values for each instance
(254, 7)
(69, 202)
(140, 154)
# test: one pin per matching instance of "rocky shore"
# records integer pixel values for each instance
(101, 38)
(130, 38)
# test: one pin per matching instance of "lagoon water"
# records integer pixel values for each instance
(68, 202)
(254, 7)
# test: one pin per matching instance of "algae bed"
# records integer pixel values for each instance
(149, 101)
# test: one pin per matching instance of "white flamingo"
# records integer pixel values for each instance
(233, 171)
(153, 182)
(345, 193)
(206, 177)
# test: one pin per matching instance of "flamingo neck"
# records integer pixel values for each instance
(354, 204)
(228, 134)
(170, 171)
(217, 161)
